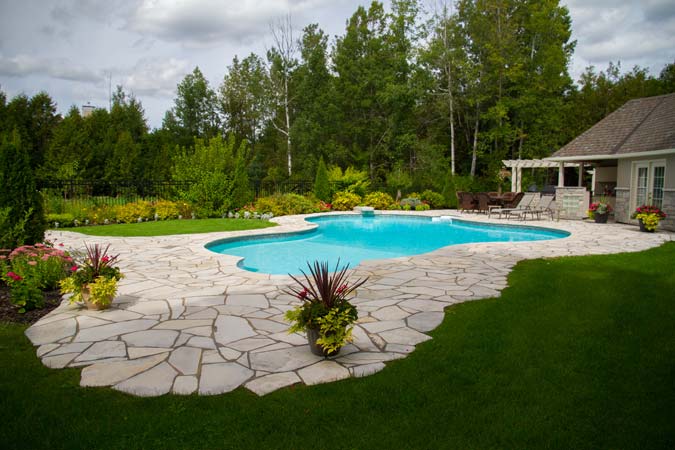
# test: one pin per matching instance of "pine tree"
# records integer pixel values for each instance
(24, 222)
(321, 184)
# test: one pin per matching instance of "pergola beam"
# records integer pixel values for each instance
(517, 166)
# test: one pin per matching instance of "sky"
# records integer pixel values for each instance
(76, 49)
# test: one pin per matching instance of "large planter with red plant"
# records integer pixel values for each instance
(94, 278)
(648, 217)
(325, 314)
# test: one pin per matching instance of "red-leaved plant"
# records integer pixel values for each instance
(325, 305)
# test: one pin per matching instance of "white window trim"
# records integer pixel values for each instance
(649, 164)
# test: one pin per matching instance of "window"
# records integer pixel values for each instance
(648, 181)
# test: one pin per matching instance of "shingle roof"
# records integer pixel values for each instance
(641, 125)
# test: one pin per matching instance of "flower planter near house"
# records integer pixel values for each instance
(643, 228)
(600, 218)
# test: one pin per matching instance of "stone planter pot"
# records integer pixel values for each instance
(312, 336)
(86, 297)
(642, 227)
(600, 218)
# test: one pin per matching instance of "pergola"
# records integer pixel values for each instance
(517, 166)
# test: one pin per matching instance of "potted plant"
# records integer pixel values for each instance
(648, 217)
(599, 211)
(94, 280)
(325, 315)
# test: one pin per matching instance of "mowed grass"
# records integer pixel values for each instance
(168, 227)
(578, 353)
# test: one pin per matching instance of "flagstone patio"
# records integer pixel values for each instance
(187, 320)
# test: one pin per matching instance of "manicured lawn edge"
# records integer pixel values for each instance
(577, 353)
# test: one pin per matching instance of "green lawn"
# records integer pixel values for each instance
(167, 227)
(578, 353)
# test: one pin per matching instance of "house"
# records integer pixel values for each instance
(633, 151)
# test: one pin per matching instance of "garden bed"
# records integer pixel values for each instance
(10, 313)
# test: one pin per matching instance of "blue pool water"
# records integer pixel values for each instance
(355, 238)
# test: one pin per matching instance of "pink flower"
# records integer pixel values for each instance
(105, 259)
(45, 257)
(68, 259)
(32, 263)
(342, 288)
(14, 276)
(2, 257)
(61, 245)
(303, 294)
(73, 269)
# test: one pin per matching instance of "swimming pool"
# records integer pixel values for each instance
(355, 238)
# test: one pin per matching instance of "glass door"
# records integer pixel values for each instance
(649, 182)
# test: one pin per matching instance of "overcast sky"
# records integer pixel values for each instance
(70, 48)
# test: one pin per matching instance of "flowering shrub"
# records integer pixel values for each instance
(30, 269)
(649, 215)
(130, 212)
(345, 201)
(284, 204)
(411, 202)
(379, 200)
(433, 199)
(165, 209)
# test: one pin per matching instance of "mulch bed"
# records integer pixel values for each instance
(10, 313)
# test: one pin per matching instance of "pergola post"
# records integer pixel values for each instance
(561, 174)
(581, 175)
(514, 183)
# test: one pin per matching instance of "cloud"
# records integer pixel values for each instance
(156, 77)
(659, 10)
(61, 68)
(205, 22)
(635, 33)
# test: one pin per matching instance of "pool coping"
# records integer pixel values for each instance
(188, 320)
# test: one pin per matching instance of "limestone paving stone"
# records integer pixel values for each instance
(102, 350)
(323, 372)
(223, 377)
(151, 338)
(139, 352)
(178, 300)
(51, 332)
(269, 383)
(367, 369)
(154, 382)
(185, 385)
(186, 359)
(59, 361)
(201, 342)
(104, 332)
(109, 373)
(231, 329)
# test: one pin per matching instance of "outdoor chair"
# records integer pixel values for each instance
(511, 199)
(523, 204)
(544, 206)
(466, 200)
(483, 200)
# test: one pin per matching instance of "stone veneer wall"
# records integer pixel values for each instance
(669, 208)
(622, 206)
(623, 211)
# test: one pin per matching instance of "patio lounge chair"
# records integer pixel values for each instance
(544, 206)
(523, 204)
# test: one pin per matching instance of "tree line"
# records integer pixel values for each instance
(411, 98)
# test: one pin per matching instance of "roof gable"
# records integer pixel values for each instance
(640, 125)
